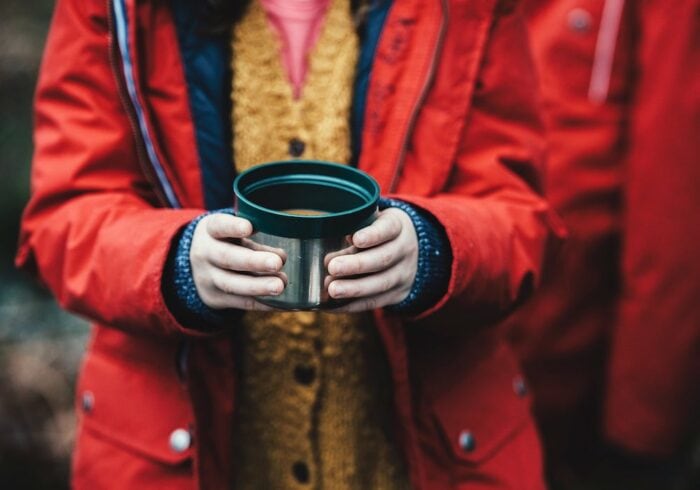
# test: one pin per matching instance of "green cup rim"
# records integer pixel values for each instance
(309, 172)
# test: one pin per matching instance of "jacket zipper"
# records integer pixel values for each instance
(129, 109)
(400, 161)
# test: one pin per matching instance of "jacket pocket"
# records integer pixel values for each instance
(484, 412)
(129, 394)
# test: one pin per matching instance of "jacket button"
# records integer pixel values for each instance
(87, 401)
(580, 20)
(296, 147)
(467, 441)
(180, 440)
(520, 387)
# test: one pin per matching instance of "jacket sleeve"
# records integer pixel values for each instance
(497, 222)
(92, 231)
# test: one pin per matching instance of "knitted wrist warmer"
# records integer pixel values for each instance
(434, 261)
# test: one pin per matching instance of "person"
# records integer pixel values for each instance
(144, 113)
(609, 343)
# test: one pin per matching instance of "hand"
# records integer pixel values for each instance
(227, 274)
(388, 259)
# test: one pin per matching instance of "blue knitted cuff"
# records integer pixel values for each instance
(180, 290)
(434, 261)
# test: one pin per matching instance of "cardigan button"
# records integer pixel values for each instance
(467, 441)
(296, 147)
(301, 472)
(304, 375)
(180, 440)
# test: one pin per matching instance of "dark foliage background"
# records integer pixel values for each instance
(40, 346)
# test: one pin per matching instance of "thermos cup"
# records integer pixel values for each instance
(305, 209)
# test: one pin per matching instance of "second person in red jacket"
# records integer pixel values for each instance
(610, 342)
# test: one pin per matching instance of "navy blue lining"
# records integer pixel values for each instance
(370, 39)
(207, 72)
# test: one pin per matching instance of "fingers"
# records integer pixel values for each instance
(214, 259)
(244, 285)
(259, 247)
(386, 227)
(346, 251)
(372, 260)
(222, 226)
(217, 251)
(236, 258)
(374, 284)
(231, 275)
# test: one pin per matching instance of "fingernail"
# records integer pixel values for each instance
(274, 287)
(338, 268)
(338, 290)
(360, 238)
(271, 264)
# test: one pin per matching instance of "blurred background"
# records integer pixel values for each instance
(40, 345)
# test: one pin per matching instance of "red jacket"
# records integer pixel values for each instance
(612, 351)
(451, 126)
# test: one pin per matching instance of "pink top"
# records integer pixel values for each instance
(298, 25)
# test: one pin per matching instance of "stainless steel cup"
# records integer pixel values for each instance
(305, 210)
